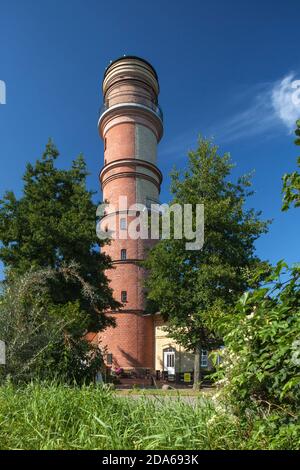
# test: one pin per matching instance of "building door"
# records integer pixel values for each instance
(169, 361)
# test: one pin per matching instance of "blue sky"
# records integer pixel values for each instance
(225, 70)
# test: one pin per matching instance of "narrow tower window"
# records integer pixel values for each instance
(109, 359)
(123, 224)
(123, 255)
(124, 296)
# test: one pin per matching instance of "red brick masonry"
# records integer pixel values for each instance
(130, 89)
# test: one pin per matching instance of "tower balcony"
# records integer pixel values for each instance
(142, 112)
(152, 107)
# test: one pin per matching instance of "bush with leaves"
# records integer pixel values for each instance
(291, 181)
(261, 366)
(44, 339)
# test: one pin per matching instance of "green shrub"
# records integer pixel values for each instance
(43, 339)
(261, 365)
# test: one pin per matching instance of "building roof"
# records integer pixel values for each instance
(131, 57)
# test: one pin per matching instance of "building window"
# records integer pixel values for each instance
(109, 359)
(123, 255)
(124, 296)
(170, 360)
(204, 358)
(123, 224)
(105, 144)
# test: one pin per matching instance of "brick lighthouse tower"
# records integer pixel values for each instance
(131, 126)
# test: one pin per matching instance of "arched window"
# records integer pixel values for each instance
(123, 254)
(124, 296)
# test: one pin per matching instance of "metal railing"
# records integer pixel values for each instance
(154, 107)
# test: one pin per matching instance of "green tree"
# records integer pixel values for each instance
(53, 222)
(191, 287)
(51, 225)
(291, 181)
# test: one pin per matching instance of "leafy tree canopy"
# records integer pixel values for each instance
(190, 287)
(54, 223)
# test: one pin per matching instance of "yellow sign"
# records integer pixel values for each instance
(187, 377)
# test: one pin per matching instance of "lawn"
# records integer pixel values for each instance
(50, 416)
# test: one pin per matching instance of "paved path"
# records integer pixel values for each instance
(190, 399)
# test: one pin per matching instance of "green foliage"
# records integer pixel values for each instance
(291, 181)
(54, 222)
(44, 339)
(189, 287)
(51, 416)
(297, 132)
(261, 364)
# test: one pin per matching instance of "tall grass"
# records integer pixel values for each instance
(51, 416)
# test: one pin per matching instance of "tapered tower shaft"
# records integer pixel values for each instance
(131, 126)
